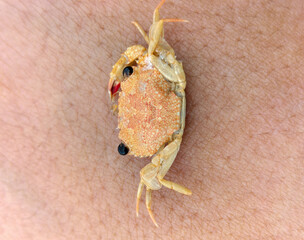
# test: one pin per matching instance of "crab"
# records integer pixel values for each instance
(149, 86)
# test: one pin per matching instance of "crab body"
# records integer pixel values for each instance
(148, 110)
(149, 85)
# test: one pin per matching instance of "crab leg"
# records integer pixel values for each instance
(160, 165)
(168, 156)
(142, 31)
(148, 205)
(180, 132)
(176, 187)
(155, 34)
(149, 179)
(152, 175)
(156, 11)
(172, 70)
(139, 192)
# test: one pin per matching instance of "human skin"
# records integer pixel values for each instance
(242, 153)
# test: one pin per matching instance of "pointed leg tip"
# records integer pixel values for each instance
(160, 4)
(154, 221)
(152, 217)
(137, 209)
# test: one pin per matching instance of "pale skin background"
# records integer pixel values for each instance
(243, 149)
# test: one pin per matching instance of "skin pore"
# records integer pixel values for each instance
(243, 148)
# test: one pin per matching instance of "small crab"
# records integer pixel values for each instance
(149, 84)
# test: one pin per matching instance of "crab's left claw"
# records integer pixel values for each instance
(116, 76)
(113, 87)
(127, 58)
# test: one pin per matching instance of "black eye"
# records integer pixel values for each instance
(127, 71)
(122, 149)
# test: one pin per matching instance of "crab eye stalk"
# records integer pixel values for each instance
(127, 71)
(122, 149)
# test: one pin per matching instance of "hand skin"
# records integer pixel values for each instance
(243, 149)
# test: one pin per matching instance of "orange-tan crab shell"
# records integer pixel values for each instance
(148, 110)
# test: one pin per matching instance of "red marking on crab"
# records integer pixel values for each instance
(115, 88)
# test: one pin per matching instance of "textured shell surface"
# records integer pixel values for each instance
(148, 110)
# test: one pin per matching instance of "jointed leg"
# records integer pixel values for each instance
(181, 94)
(171, 69)
(164, 68)
(142, 31)
(153, 173)
(168, 156)
(175, 187)
(139, 192)
(148, 205)
(156, 11)
(157, 28)
(148, 200)
(156, 33)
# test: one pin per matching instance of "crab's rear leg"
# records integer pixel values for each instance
(166, 159)
(168, 156)
(148, 200)
(139, 192)
(175, 186)
(148, 178)
(148, 205)
(152, 175)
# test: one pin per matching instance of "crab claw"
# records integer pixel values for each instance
(116, 76)
(113, 88)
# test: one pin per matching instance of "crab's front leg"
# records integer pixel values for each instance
(171, 69)
(156, 32)
(166, 62)
(152, 175)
